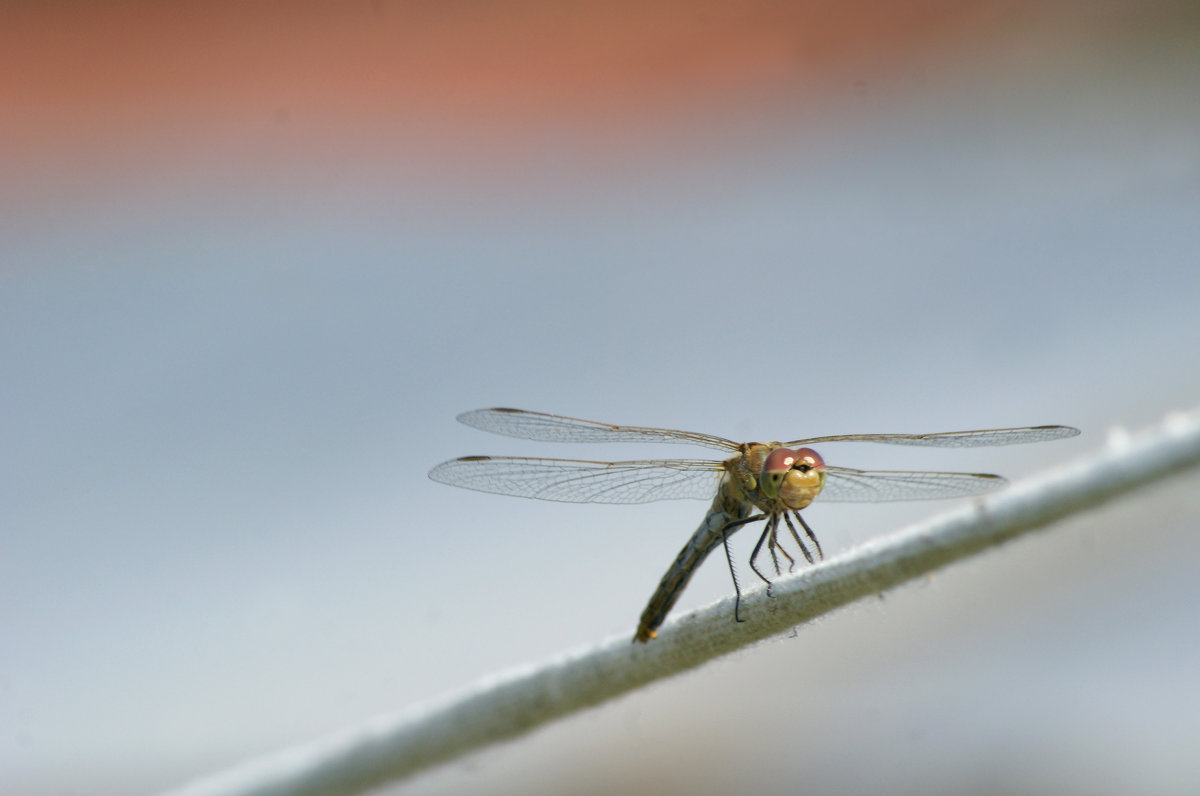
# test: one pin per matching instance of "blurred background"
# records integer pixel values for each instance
(254, 258)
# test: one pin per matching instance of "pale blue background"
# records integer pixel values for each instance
(222, 391)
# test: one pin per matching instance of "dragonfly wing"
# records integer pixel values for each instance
(555, 428)
(576, 481)
(955, 439)
(845, 485)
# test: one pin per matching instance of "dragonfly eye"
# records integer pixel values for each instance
(775, 468)
(808, 460)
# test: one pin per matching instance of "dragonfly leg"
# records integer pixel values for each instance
(768, 533)
(772, 549)
(773, 545)
(811, 535)
(737, 589)
(796, 536)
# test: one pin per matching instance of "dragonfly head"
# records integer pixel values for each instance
(793, 477)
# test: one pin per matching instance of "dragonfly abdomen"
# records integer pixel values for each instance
(710, 534)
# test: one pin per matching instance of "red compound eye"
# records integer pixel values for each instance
(806, 459)
(779, 460)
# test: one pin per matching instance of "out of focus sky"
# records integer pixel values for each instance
(254, 258)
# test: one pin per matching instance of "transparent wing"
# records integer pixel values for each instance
(577, 481)
(844, 485)
(955, 439)
(555, 428)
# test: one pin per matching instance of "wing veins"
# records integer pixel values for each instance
(987, 437)
(568, 480)
(543, 427)
(847, 485)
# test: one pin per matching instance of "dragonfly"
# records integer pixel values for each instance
(769, 482)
